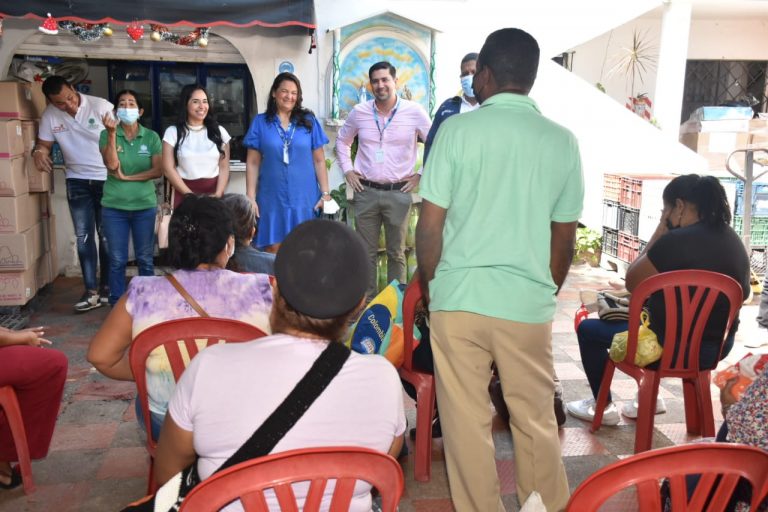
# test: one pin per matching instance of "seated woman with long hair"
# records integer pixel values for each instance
(694, 233)
(201, 241)
(228, 391)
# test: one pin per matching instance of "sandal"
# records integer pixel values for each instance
(15, 479)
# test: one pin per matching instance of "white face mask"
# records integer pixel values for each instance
(466, 86)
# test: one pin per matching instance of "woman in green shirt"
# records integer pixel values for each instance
(132, 155)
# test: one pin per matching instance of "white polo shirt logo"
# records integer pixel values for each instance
(60, 128)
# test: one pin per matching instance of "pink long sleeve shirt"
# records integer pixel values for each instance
(391, 156)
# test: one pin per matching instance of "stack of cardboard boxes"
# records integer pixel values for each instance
(28, 259)
(715, 132)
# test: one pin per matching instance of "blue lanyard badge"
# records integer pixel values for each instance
(376, 118)
(287, 138)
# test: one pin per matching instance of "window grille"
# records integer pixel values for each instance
(718, 82)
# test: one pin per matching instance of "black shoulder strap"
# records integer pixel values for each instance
(307, 390)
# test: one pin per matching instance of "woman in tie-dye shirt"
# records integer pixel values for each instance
(201, 242)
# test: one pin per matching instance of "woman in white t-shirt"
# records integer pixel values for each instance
(196, 148)
(228, 391)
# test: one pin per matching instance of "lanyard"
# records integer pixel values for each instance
(391, 116)
(286, 138)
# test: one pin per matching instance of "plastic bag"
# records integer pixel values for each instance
(380, 327)
(648, 347)
(746, 370)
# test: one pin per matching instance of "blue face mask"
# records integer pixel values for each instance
(466, 86)
(128, 115)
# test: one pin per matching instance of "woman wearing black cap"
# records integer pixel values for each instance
(228, 391)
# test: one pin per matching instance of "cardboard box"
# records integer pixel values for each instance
(13, 177)
(11, 139)
(725, 125)
(44, 270)
(20, 251)
(716, 147)
(722, 113)
(18, 214)
(49, 236)
(48, 233)
(29, 135)
(36, 96)
(17, 288)
(37, 181)
(43, 201)
(20, 100)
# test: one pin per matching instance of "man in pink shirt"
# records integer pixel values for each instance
(382, 177)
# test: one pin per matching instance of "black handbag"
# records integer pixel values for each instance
(169, 497)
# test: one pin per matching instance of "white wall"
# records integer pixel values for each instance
(557, 25)
(734, 39)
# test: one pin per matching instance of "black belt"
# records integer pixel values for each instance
(383, 186)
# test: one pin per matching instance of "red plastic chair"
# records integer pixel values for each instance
(423, 382)
(10, 404)
(581, 315)
(172, 334)
(693, 293)
(645, 470)
(248, 480)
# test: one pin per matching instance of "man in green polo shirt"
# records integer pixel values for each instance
(503, 191)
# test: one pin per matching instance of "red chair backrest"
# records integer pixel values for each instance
(581, 315)
(692, 294)
(711, 460)
(411, 298)
(316, 466)
(184, 331)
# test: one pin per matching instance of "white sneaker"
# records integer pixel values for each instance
(629, 409)
(585, 410)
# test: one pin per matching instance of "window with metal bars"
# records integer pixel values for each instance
(718, 82)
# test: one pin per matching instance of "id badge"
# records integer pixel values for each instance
(286, 158)
(379, 156)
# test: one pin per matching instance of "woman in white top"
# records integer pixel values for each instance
(228, 391)
(196, 148)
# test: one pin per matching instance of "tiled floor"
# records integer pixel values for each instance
(97, 461)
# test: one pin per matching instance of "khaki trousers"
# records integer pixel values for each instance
(464, 345)
(373, 208)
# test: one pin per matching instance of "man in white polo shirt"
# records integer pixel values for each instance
(74, 121)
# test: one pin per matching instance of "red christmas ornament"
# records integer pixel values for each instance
(135, 31)
(49, 26)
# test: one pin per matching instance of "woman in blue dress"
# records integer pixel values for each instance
(285, 167)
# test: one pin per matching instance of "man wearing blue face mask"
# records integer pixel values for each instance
(458, 104)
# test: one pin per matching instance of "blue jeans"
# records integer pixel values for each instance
(118, 225)
(84, 198)
(595, 337)
(155, 420)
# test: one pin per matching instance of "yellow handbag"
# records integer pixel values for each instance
(648, 347)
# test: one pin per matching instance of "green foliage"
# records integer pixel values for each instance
(340, 196)
(588, 245)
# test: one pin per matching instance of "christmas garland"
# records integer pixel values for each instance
(198, 38)
(86, 31)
